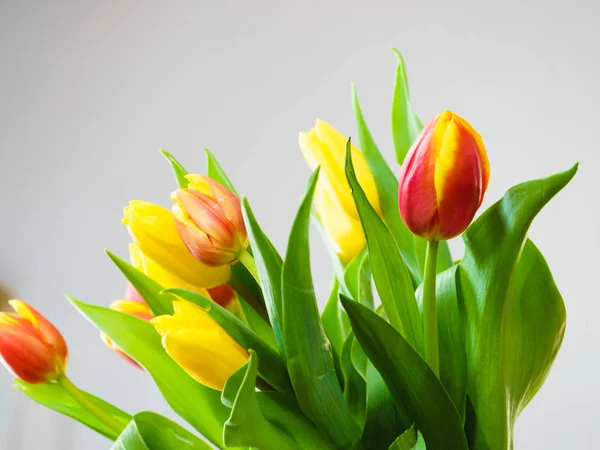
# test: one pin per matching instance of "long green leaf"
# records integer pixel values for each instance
(269, 265)
(53, 396)
(355, 386)
(159, 302)
(309, 357)
(489, 274)
(412, 383)
(151, 431)
(216, 172)
(272, 367)
(390, 273)
(406, 126)
(178, 170)
(198, 404)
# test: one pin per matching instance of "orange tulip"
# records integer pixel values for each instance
(30, 346)
(443, 178)
(210, 222)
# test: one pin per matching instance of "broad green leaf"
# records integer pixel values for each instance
(257, 324)
(406, 126)
(53, 396)
(453, 356)
(269, 265)
(412, 383)
(178, 170)
(199, 405)
(387, 188)
(411, 439)
(390, 273)
(272, 367)
(151, 431)
(309, 356)
(159, 302)
(282, 427)
(489, 274)
(216, 172)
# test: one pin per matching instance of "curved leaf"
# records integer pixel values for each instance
(309, 356)
(216, 172)
(178, 170)
(412, 383)
(390, 273)
(272, 367)
(488, 273)
(151, 431)
(53, 396)
(199, 405)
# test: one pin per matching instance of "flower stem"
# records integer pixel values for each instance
(248, 261)
(430, 325)
(107, 418)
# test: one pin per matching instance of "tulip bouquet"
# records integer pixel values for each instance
(413, 349)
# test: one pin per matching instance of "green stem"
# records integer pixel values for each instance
(248, 261)
(89, 405)
(430, 325)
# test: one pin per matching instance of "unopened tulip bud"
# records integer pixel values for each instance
(199, 345)
(443, 178)
(30, 346)
(209, 220)
(135, 308)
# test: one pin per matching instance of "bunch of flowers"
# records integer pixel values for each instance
(444, 355)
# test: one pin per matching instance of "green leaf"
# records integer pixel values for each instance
(269, 265)
(246, 425)
(216, 172)
(390, 273)
(500, 351)
(199, 405)
(272, 367)
(406, 126)
(309, 357)
(151, 431)
(355, 386)
(53, 396)
(159, 302)
(412, 383)
(387, 189)
(257, 323)
(411, 439)
(332, 319)
(178, 169)
(453, 356)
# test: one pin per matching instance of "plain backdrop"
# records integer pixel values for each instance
(90, 90)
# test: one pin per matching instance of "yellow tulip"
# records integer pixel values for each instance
(153, 230)
(199, 345)
(324, 146)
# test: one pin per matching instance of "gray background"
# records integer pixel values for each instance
(90, 90)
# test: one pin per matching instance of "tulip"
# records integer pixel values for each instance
(154, 232)
(30, 346)
(132, 307)
(324, 146)
(199, 345)
(209, 220)
(443, 178)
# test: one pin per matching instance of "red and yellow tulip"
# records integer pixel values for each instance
(199, 345)
(325, 146)
(443, 179)
(209, 219)
(30, 346)
(162, 251)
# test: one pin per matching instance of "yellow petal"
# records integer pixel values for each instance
(23, 310)
(205, 355)
(345, 232)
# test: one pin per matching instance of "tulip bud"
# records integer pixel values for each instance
(223, 295)
(443, 178)
(209, 220)
(199, 345)
(325, 146)
(30, 346)
(154, 232)
(134, 308)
